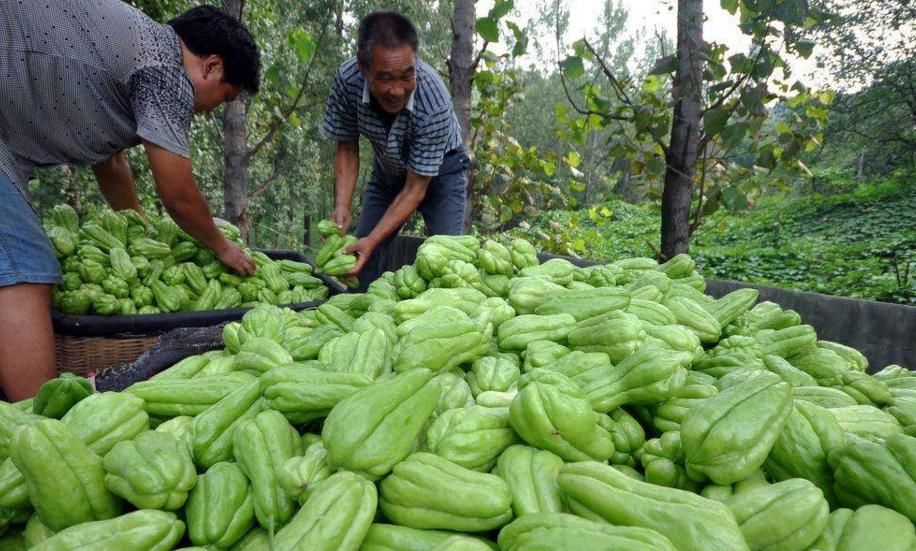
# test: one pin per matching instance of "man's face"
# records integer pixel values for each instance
(211, 97)
(210, 90)
(392, 76)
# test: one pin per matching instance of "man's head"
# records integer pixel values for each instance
(386, 49)
(224, 59)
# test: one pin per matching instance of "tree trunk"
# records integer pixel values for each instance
(461, 64)
(72, 191)
(861, 165)
(306, 229)
(461, 80)
(235, 149)
(683, 150)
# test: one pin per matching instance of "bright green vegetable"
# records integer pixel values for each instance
(411, 496)
(564, 531)
(551, 412)
(261, 446)
(145, 530)
(57, 396)
(602, 493)
(729, 435)
(532, 478)
(375, 428)
(153, 471)
(220, 509)
(336, 516)
(63, 476)
(472, 437)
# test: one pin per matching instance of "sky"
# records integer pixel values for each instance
(648, 15)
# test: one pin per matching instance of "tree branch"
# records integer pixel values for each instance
(479, 56)
(278, 122)
(697, 217)
(274, 173)
(619, 90)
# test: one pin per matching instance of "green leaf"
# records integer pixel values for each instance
(488, 29)
(664, 65)
(521, 39)
(792, 12)
(766, 157)
(572, 67)
(731, 6)
(505, 214)
(500, 9)
(733, 134)
(740, 63)
(573, 159)
(272, 75)
(783, 128)
(733, 199)
(484, 78)
(652, 84)
(576, 186)
(714, 121)
(549, 168)
(804, 47)
(656, 165)
(302, 43)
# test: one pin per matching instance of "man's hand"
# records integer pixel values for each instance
(341, 217)
(236, 258)
(363, 249)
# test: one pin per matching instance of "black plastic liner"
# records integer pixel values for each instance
(168, 350)
(156, 324)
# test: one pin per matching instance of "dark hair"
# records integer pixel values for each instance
(387, 29)
(206, 30)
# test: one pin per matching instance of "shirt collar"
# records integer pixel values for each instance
(366, 99)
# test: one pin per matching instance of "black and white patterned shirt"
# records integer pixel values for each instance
(420, 135)
(85, 79)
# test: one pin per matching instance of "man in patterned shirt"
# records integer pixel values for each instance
(82, 80)
(404, 109)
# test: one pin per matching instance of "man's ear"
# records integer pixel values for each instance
(213, 67)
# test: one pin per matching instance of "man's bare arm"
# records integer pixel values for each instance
(187, 206)
(116, 181)
(346, 172)
(405, 204)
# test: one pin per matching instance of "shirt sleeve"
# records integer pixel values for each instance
(428, 147)
(163, 102)
(340, 122)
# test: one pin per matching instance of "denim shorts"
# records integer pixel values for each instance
(26, 255)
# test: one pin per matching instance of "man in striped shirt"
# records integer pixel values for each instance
(404, 109)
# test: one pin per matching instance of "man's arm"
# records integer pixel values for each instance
(182, 199)
(405, 203)
(346, 172)
(116, 181)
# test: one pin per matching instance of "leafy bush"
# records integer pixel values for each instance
(858, 243)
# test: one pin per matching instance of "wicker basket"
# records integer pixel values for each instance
(86, 355)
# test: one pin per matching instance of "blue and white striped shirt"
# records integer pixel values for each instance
(420, 135)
